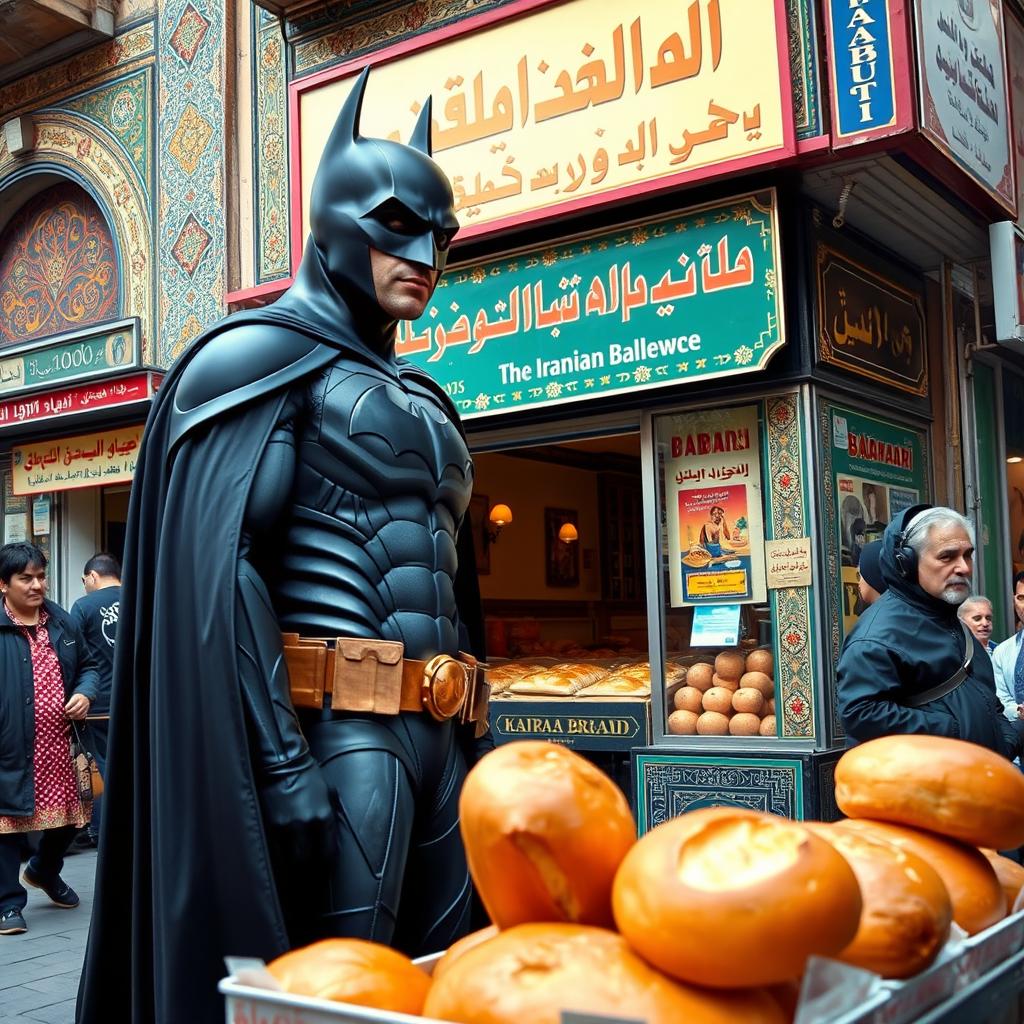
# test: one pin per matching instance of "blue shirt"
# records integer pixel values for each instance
(1004, 661)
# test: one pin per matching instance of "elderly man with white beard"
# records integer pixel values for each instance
(910, 665)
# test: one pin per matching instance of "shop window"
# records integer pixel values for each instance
(58, 268)
(719, 660)
(1013, 426)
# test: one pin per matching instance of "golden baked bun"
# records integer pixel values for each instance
(907, 910)
(759, 681)
(713, 723)
(977, 897)
(1009, 873)
(767, 726)
(531, 973)
(353, 971)
(761, 660)
(725, 683)
(744, 724)
(544, 832)
(683, 723)
(727, 897)
(957, 789)
(729, 665)
(464, 945)
(700, 676)
(719, 699)
(688, 698)
(748, 699)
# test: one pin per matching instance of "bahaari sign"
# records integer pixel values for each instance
(575, 100)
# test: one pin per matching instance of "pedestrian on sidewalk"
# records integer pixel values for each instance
(47, 679)
(976, 614)
(1008, 659)
(96, 616)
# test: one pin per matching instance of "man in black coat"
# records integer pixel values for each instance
(902, 668)
(291, 712)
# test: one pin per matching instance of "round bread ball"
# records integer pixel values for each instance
(688, 698)
(353, 971)
(719, 699)
(700, 676)
(729, 665)
(530, 974)
(978, 898)
(907, 911)
(726, 684)
(713, 723)
(761, 660)
(744, 724)
(761, 682)
(768, 727)
(544, 832)
(748, 699)
(770, 707)
(722, 879)
(682, 723)
(1009, 873)
(464, 945)
(952, 787)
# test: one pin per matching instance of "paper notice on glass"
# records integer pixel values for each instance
(788, 562)
(14, 528)
(41, 516)
(715, 625)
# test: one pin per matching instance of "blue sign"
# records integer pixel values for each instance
(715, 625)
(863, 88)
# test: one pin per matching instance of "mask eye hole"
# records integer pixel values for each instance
(395, 216)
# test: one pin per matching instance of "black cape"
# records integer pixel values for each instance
(184, 876)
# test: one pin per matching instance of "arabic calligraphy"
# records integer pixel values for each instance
(619, 292)
(572, 102)
(76, 461)
(869, 324)
(788, 562)
(965, 82)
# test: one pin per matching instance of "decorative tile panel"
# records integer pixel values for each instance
(791, 606)
(270, 151)
(672, 784)
(192, 239)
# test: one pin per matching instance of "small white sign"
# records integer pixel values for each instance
(14, 528)
(788, 562)
(840, 432)
(41, 516)
(715, 625)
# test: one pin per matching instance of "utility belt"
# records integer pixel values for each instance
(374, 676)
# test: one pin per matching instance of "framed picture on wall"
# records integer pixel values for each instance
(561, 558)
(479, 505)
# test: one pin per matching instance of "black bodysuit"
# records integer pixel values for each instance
(351, 523)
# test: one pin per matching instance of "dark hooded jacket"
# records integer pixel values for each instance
(904, 644)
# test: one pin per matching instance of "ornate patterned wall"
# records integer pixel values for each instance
(192, 241)
(57, 266)
(94, 125)
(792, 606)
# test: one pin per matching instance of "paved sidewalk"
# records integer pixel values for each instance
(39, 970)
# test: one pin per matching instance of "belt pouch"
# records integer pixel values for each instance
(368, 676)
(306, 661)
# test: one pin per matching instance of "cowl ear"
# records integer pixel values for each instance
(346, 128)
(421, 133)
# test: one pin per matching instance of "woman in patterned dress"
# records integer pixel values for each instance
(47, 678)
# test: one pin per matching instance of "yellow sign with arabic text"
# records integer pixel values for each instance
(578, 102)
(89, 460)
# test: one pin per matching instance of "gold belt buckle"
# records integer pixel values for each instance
(444, 688)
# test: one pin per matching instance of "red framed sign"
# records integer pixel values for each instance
(122, 391)
(544, 108)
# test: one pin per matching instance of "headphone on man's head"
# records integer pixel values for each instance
(904, 555)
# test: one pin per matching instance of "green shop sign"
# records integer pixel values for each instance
(687, 297)
(70, 357)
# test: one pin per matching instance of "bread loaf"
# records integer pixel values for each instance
(464, 945)
(1009, 873)
(544, 832)
(977, 897)
(957, 789)
(562, 680)
(907, 911)
(353, 971)
(530, 974)
(727, 898)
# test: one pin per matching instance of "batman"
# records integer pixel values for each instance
(295, 478)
